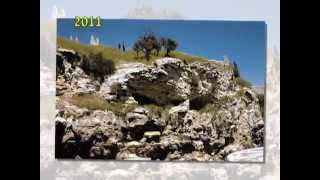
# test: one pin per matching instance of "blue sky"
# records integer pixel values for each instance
(242, 41)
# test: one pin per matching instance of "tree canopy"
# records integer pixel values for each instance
(150, 42)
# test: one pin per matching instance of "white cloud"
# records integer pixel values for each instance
(147, 12)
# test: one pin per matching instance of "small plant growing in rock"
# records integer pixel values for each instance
(261, 103)
(241, 93)
(247, 142)
(225, 99)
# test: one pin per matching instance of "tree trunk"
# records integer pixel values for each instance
(148, 55)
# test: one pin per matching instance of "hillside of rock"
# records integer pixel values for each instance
(169, 110)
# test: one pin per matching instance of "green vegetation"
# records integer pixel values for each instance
(116, 55)
(169, 45)
(149, 42)
(137, 47)
(241, 93)
(261, 103)
(243, 82)
(247, 142)
(236, 72)
(214, 106)
(146, 44)
(239, 80)
(92, 102)
(225, 99)
(97, 65)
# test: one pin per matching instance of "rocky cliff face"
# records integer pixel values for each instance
(169, 110)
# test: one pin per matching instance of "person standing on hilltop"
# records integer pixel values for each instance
(123, 48)
(119, 46)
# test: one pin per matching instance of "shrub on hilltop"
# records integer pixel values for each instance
(239, 80)
(96, 65)
(169, 45)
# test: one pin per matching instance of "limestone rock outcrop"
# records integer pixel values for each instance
(170, 110)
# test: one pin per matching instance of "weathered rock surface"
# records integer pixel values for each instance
(182, 112)
(71, 79)
(169, 81)
(247, 155)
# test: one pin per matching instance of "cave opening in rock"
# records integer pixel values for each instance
(198, 103)
(159, 153)
(143, 100)
(137, 132)
(187, 148)
(207, 147)
(176, 102)
(151, 126)
(229, 140)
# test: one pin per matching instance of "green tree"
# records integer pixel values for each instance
(148, 42)
(137, 47)
(236, 72)
(157, 47)
(169, 45)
